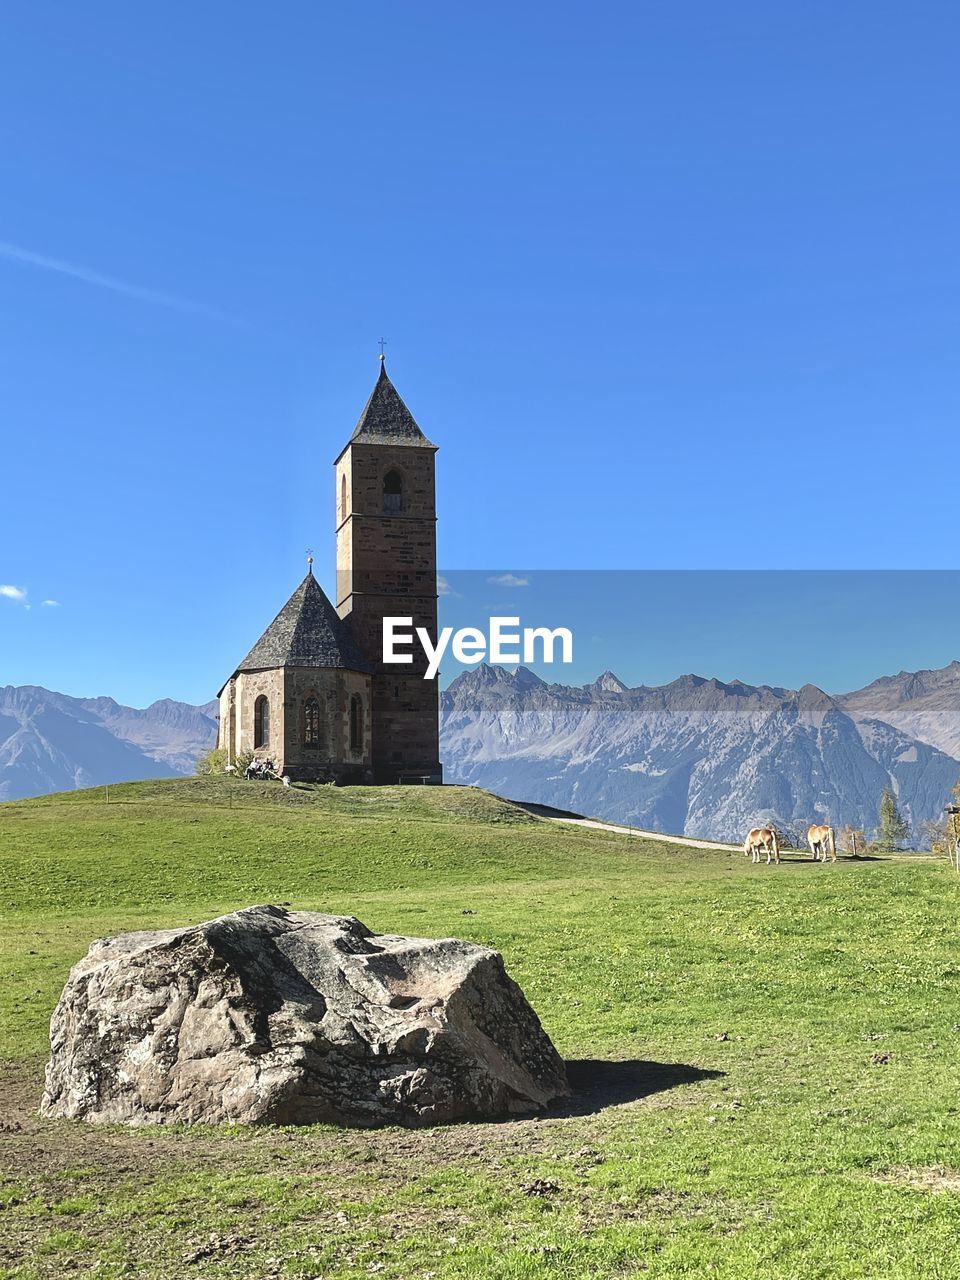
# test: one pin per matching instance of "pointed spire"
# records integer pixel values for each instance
(386, 419)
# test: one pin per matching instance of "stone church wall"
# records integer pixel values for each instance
(288, 690)
(250, 685)
(333, 690)
(386, 565)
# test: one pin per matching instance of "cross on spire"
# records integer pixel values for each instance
(309, 559)
(383, 343)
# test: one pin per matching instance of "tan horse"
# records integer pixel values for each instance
(822, 841)
(762, 838)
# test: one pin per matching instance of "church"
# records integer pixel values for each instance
(313, 694)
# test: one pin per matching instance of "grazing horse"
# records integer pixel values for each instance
(821, 841)
(762, 838)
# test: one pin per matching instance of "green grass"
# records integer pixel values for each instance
(810, 1015)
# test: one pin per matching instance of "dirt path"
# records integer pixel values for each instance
(558, 815)
(647, 835)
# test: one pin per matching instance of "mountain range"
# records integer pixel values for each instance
(697, 756)
(705, 758)
(925, 704)
(52, 742)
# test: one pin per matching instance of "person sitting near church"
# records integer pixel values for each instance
(258, 768)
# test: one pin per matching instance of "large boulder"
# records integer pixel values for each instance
(290, 1017)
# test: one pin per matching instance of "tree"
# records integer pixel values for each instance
(935, 835)
(893, 828)
(852, 840)
(790, 835)
(214, 761)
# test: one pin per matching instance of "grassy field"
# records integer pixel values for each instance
(765, 1058)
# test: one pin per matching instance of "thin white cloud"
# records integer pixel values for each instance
(14, 593)
(509, 580)
(27, 258)
(50, 604)
(444, 588)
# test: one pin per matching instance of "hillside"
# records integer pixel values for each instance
(760, 1055)
(695, 756)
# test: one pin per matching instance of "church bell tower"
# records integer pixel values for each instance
(387, 567)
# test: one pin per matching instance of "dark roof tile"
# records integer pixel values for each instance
(386, 419)
(307, 632)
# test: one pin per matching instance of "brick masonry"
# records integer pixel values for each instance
(287, 690)
(387, 566)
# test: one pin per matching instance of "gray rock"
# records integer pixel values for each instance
(291, 1017)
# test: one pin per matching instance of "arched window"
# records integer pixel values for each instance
(343, 497)
(311, 723)
(356, 723)
(392, 493)
(261, 722)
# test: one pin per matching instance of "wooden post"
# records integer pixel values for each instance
(953, 850)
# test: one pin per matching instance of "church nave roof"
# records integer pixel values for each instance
(307, 632)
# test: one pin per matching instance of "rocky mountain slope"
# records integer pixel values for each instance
(695, 756)
(52, 742)
(925, 704)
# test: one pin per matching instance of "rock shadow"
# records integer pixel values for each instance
(598, 1083)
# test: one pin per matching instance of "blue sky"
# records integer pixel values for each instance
(837, 629)
(672, 285)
